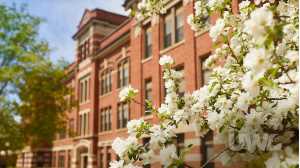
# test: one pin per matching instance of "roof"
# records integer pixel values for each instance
(99, 14)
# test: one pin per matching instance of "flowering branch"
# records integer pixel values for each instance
(252, 99)
(214, 157)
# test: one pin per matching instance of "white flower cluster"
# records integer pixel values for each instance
(252, 99)
(201, 16)
(121, 147)
(121, 164)
(161, 135)
(148, 8)
(203, 9)
(127, 93)
(133, 125)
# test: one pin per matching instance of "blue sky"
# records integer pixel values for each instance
(62, 18)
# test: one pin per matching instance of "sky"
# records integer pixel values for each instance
(61, 20)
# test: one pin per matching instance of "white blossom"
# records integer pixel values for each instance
(121, 146)
(127, 93)
(132, 125)
(168, 154)
(117, 164)
(160, 135)
(259, 20)
(293, 56)
(217, 29)
(166, 60)
(258, 61)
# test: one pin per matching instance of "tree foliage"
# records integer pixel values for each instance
(31, 87)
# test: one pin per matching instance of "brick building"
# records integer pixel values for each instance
(114, 51)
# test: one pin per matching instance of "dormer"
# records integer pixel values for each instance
(93, 27)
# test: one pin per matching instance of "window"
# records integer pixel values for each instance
(84, 50)
(123, 115)
(101, 163)
(207, 149)
(84, 118)
(62, 134)
(146, 141)
(123, 73)
(84, 90)
(108, 159)
(173, 26)
(71, 127)
(61, 160)
(106, 84)
(105, 119)
(148, 94)
(181, 87)
(205, 73)
(179, 23)
(69, 158)
(54, 159)
(179, 142)
(148, 41)
(168, 30)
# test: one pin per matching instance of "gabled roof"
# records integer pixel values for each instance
(99, 14)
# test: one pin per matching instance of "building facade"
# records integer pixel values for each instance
(114, 51)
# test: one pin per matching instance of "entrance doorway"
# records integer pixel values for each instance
(82, 157)
(84, 161)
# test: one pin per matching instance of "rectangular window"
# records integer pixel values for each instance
(69, 158)
(168, 25)
(108, 160)
(123, 73)
(80, 125)
(61, 161)
(71, 127)
(180, 142)
(84, 89)
(174, 25)
(205, 73)
(123, 115)
(207, 149)
(81, 92)
(62, 134)
(148, 94)
(54, 159)
(84, 123)
(84, 50)
(101, 158)
(146, 142)
(181, 88)
(105, 119)
(148, 42)
(179, 23)
(106, 84)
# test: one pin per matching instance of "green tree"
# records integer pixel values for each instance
(43, 100)
(31, 87)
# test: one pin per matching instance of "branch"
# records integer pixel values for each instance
(214, 157)
(287, 83)
(279, 98)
